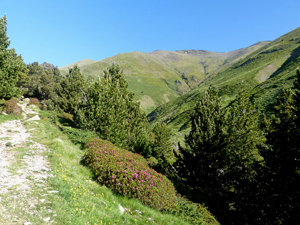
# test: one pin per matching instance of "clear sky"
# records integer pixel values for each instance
(62, 32)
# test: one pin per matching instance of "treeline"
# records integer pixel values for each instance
(104, 106)
(243, 166)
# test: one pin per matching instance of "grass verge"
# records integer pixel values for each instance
(77, 198)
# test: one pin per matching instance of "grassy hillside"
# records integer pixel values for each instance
(264, 72)
(80, 63)
(71, 195)
(161, 76)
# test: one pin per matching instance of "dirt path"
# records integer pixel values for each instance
(24, 170)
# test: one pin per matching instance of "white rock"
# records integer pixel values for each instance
(36, 117)
(122, 210)
(47, 219)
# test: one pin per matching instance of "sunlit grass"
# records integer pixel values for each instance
(77, 198)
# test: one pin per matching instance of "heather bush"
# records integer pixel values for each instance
(11, 107)
(129, 174)
(35, 101)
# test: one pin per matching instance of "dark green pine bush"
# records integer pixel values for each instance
(127, 173)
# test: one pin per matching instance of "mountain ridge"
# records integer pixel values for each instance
(171, 73)
(264, 72)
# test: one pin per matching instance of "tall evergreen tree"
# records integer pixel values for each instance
(162, 148)
(71, 90)
(283, 158)
(222, 153)
(11, 65)
(111, 111)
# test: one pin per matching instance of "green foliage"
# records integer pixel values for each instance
(36, 102)
(11, 65)
(222, 153)
(71, 91)
(111, 112)
(282, 176)
(162, 148)
(12, 108)
(42, 83)
(171, 75)
(128, 174)
(4, 39)
(192, 212)
(79, 136)
(264, 70)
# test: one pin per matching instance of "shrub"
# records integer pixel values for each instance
(35, 101)
(11, 107)
(79, 136)
(128, 174)
(192, 212)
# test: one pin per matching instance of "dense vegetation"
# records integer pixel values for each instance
(239, 158)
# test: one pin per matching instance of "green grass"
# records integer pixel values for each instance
(79, 199)
(151, 76)
(264, 72)
(4, 118)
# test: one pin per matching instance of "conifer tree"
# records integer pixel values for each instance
(11, 65)
(111, 111)
(222, 153)
(283, 158)
(203, 159)
(162, 148)
(71, 90)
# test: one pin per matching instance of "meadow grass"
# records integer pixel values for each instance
(79, 199)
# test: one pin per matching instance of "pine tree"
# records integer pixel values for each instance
(71, 91)
(221, 157)
(162, 148)
(283, 158)
(11, 65)
(203, 160)
(111, 111)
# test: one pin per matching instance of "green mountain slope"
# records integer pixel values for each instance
(264, 71)
(161, 76)
(79, 63)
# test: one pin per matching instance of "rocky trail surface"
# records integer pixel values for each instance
(24, 170)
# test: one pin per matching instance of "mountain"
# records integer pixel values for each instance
(162, 76)
(264, 72)
(79, 63)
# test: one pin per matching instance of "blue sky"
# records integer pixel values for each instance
(62, 32)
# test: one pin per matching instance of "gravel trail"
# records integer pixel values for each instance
(24, 170)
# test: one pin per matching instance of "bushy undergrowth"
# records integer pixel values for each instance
(10, 107)
(192, 212)
(35, 101)
(79, 136)
(128, 174)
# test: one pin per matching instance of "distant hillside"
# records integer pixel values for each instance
(79, 63)
(264, 71)
(161, 76)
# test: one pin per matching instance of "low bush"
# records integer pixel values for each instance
(79, 136)
(35, 101)
(192, 212)
(12, 108)
(129, 174)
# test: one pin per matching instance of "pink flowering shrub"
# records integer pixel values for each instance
(11, 107)
(128, 174)
(35, 101)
